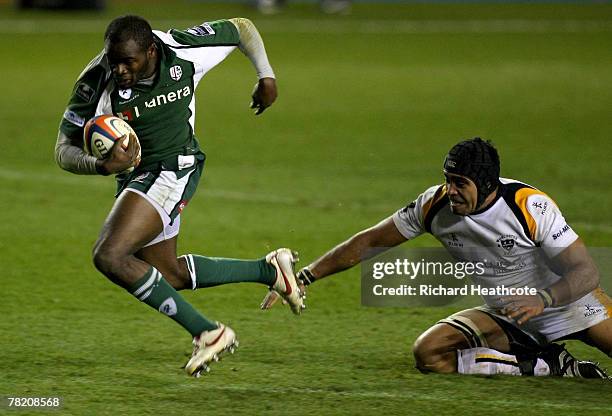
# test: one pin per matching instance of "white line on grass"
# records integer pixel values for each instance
(229, 195)
(439, 26)
(284, 25)
(401, 395)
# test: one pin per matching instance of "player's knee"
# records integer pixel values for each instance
(423, 354)
(431, 355)
(106, 260)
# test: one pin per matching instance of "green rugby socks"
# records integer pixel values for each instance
(156, 292)
(215, 271)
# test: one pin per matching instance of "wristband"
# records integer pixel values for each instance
(305, 276)
(544, 294)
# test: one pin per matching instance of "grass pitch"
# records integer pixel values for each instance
(369, 104)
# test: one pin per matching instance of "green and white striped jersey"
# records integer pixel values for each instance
(162, 114)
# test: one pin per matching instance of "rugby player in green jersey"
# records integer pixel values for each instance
(148, 78)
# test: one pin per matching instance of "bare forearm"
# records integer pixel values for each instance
(357, 248)
(342, 257)
(576, 282)
(580, 275)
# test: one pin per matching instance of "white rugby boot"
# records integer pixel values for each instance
(286, 284)
(208, 347)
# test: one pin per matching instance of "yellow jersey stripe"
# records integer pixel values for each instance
(440, 193)
(521, 197)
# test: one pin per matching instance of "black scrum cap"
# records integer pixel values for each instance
(478, 160)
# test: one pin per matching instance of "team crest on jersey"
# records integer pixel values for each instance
(125, 94)
(507, 242)
(176, 72)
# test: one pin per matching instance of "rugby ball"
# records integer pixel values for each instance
(101, 133)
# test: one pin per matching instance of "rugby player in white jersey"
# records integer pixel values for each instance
(511, 223)
(149, 79)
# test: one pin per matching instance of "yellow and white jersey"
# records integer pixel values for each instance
(514, 237)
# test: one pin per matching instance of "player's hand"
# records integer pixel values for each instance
(522, 308)
(264, 94)
(133, 150)
(272, 297)
(122, 158)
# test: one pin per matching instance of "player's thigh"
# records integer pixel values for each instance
(600, 336)
(131, 224)
(469, 328)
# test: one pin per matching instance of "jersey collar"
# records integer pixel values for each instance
(500, 192)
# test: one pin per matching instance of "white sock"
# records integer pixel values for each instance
(488, 361)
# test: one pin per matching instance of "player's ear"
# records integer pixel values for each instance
(151, 50)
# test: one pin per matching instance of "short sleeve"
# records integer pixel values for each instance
(217, 33)
(205, 45)
(552, 232)
(410, 219)
(85, 96)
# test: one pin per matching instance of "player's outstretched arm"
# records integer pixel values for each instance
(352, 251)
(346, 254)
(251, 44)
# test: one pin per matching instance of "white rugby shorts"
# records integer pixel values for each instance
(556, 323)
